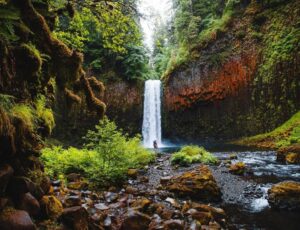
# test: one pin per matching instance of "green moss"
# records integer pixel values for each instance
(24, 112)
(283, 136)
(45, 115)
(34, 55)
(193, 154)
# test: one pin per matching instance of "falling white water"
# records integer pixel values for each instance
(152, 113)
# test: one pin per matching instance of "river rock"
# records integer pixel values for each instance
(51, 207)
(141, 204)
(11, 219)
(72, 201)
(135, 220)
(198, 184)
(73, 177)
(285, 195)
(237, 168)
(28, 203)
(75, 218)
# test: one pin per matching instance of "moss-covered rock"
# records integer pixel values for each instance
(15, 219)
(198, 184)
(51, 207)
(237, 168)
(285, 195)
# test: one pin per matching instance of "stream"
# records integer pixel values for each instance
(244, 198)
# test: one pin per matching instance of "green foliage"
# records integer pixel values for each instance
(9, 16)
(107, 155)
(45, 115)
(24, 112)
(193, 154)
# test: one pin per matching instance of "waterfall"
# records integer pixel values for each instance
(152, 113)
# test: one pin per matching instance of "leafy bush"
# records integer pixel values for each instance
(193, 154)
(107, 156)
(6, 101)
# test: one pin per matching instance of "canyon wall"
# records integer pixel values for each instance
(245, 81)
(124, 101)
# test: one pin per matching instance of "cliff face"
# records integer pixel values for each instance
(245, 81)
(125, 105)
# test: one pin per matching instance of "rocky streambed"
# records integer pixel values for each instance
(162, 196)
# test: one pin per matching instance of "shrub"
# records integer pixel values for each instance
(106, 157)
(193, 154)
(6, 101)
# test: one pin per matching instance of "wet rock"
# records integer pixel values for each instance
(72, 201)
(101, 206)
(131, 190)
(3, 202)
(29, 204)
(203, 217)
(135, 220)
(238, 168)
(79, 185)
(141, 204)
(111, 196)
(51, 207)
(132, 173)
(198, 184)
(11, 219)
(165, 180)
(20, 185)
(156, 223)
(75, 218)
(6, 172)
(285, 195)
(173, 225)
(144, 179)
(217, 213)
(173, 202)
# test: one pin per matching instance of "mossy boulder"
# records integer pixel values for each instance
(16, 220)
(76, 218)
(198, 184)
(51, 207)
(237, 168)
(285, 195)
(290, 154)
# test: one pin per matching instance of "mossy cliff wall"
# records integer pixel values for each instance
(124, 101)
(37, 71)
(245, 80)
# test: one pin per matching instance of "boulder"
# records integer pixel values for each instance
(6, 172)
(285, 195)
(197, 184)
(76, 218)
(135, 220)
(72, 201)
(51, 207)
(290, 154)
(237, 168)
(19, 185)
(28, 203)
(11, 219)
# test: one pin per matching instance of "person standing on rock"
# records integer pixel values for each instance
(155, 144)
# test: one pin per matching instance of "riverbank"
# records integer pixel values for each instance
(144, 199)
